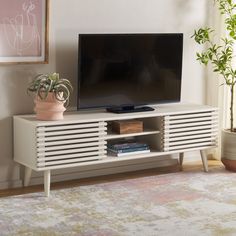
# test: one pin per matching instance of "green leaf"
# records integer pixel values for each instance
(232, 34)
(42, 84)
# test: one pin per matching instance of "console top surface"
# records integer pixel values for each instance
(102, 115)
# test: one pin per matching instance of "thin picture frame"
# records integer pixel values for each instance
(24, 31)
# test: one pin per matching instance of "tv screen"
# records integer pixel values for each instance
(129, 69)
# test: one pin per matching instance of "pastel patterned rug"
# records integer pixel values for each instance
(176, 204)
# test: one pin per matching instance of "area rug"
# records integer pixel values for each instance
(177, 204)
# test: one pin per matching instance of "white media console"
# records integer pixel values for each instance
(81, 138)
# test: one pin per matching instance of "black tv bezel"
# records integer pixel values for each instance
(124, 105)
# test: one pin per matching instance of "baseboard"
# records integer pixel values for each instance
(11, 184)
(105, 171)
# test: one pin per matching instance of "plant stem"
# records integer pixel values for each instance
(232, 108)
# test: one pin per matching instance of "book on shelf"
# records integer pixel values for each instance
(118, 154)
(128, 149)
(128, 145)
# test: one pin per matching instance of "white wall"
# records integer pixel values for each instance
(70, 17)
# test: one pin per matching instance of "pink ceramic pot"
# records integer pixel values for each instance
(49, 109)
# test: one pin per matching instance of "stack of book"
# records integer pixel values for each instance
(123, 149)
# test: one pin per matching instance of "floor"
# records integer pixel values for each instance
(152, 203)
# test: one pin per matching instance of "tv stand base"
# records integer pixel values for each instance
(129, 109)
(82, 139)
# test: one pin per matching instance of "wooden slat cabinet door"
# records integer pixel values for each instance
(188, 131)
(65, 145)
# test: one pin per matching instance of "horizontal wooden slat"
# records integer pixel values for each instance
(203, 127)
(208, 131)
(192, 124)
(64, 137)
(69, 141)
(78, 145)
(76, 131)
(190, 115)
(76, 155)
(171, 143)
(64, 162)
(190, 146)
(192, 120)
(73, 164)
(178, 138)
(76, 150)
(70, 126)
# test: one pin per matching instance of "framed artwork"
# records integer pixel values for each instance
(24, 31)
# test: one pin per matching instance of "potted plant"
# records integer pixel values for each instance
(220, 55)
(51, 94)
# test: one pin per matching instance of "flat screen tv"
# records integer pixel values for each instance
(125, 71)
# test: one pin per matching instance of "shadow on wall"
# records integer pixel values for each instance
(14, 100)
(67, 59)
(183, 6)
(14, 84)
(186, 9)
(9, 169)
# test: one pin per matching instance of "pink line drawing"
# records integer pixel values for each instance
(21, 31)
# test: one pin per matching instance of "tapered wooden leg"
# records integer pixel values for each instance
(47, 179)
(28, 172)
(204, 160)
(181, 158)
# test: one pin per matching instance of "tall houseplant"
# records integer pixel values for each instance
(51, 93)
(221, 57)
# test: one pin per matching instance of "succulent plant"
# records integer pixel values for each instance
(43, 84)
